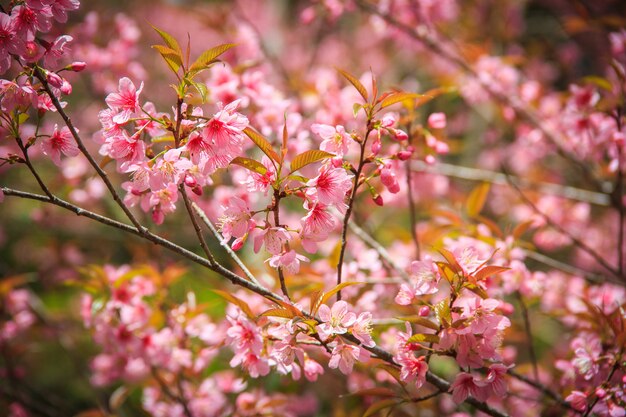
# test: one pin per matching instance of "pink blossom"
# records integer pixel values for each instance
(362, 329)
(412, 368)
(273, 237)
(335, 139)
(330, 186)
(61, 7)
(578, 400)
(221, 140)
(125, 102)
(236, 220)
(312, 369)
(289, 261)
(31, 17)
(336, 320)
(316, 225)
(495, 379)
(10, 43)
(61, 141)
(465, 385)
(344, 356)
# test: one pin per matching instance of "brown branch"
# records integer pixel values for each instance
(346, 218)
(68, 122)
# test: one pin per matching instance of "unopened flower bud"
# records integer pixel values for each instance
(197, 190)
(77, 66)
(601, 393)
(378, 200)
(237, 244)
(430, 160)
(437, 121)
(337, 162)
(190, 181)
(424, 311)
(54, 79)
(404, 155)
(400, 135)
(376, 145)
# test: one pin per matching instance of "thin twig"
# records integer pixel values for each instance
(224, 243)
(577, 242)
(476, 174)
(529, 335)
(276, 210)
(346, 219)
(196, 226)
(68, 122)
(543, 389)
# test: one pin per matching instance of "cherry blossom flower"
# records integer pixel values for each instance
(335, 139)
(336, 320)
(330, 186)
(61, 141)
(125, 102)
(273, 237)
(412, 369)
(316, 225)
(362, 329)
(465, 385)
(289, 261)
(344, 356)
(236, 220)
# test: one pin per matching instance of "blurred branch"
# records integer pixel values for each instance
(476, 174)
(205, 219)
(68, 122)
(577, 242)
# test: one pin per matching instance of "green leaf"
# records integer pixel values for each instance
(423, 337)
(208, 57)
(297, 178)
(336, 289)
(477, 199)
(397, 98)
(263, 144)
(202, 89)
(171, 57)
(422, 321)
(250, 164)
(355, 82)
(309, 157)
(379, 406)
(169, 40)
(236, 301)
(356, 107)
